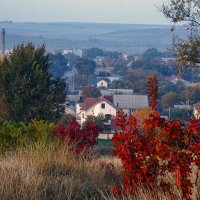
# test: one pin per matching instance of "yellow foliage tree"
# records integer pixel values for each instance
(142, 114)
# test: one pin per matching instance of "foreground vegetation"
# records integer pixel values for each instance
(46, 172)
(160, 159)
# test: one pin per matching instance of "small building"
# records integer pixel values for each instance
(77, 52)
(111, 92)
(102, 84)
(99, 70)
(184, 106)
(95, 106)
(176, 79)
(122, 91)
(196, 110)
(67, 51)
(129, 103)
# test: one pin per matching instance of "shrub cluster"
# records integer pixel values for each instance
(158, 148)
(14, 135)
(79, 138)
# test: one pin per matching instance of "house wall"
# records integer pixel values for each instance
(102, 83)
(196, 113)
(96, 110)
(78, 113)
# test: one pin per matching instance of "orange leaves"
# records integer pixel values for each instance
(143, 114)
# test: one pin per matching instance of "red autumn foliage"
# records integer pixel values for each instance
(160, 146)
(152, 90)
(80, 138)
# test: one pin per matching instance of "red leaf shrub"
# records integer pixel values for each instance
(80, 138)
(148, 153)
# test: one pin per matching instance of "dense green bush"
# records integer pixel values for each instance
(14, 135)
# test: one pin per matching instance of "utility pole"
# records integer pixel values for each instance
(169, 113)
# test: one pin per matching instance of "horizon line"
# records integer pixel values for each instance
(83, 22)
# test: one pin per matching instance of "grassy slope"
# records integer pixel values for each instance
(49, 174)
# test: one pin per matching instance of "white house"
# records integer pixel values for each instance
(77, 52)
(95, 106)
(129, 103)
(102, 83)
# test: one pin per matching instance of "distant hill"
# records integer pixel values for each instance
(128, 38)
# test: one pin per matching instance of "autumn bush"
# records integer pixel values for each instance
(73, 135)
(158, 149)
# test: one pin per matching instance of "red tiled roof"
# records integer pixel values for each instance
(89, 102)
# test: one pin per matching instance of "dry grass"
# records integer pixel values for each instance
(48, 174)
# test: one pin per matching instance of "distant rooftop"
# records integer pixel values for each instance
(131, 101)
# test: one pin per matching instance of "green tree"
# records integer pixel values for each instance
(192, 94)
(187, 51)
(91, 92)
(58, 65)
(98, 120)
(150, 54)
(118, 84)
(85, 66)
(28, 87)
(169, 99)
(181, 114)
(93, 52)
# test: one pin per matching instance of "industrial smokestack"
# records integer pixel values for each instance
(3, 33)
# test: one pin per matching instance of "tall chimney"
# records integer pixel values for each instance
(3, 33)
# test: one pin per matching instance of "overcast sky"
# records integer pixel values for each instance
(110, 11)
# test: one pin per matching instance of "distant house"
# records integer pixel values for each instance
(111, 92)
(99, 60)
(67, 51)
(196, 110)
(114, 78)
(184, 106)
(176, 79)
(95, 106)
(102, 83)
(77, 52)
(129, 103)
(99, 70)
(122, 91)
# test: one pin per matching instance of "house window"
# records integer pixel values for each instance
(83, 115)
(103, 105)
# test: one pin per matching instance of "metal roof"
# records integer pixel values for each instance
(74, 98)
(131, 101)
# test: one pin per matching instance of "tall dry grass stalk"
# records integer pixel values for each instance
(47, 173)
